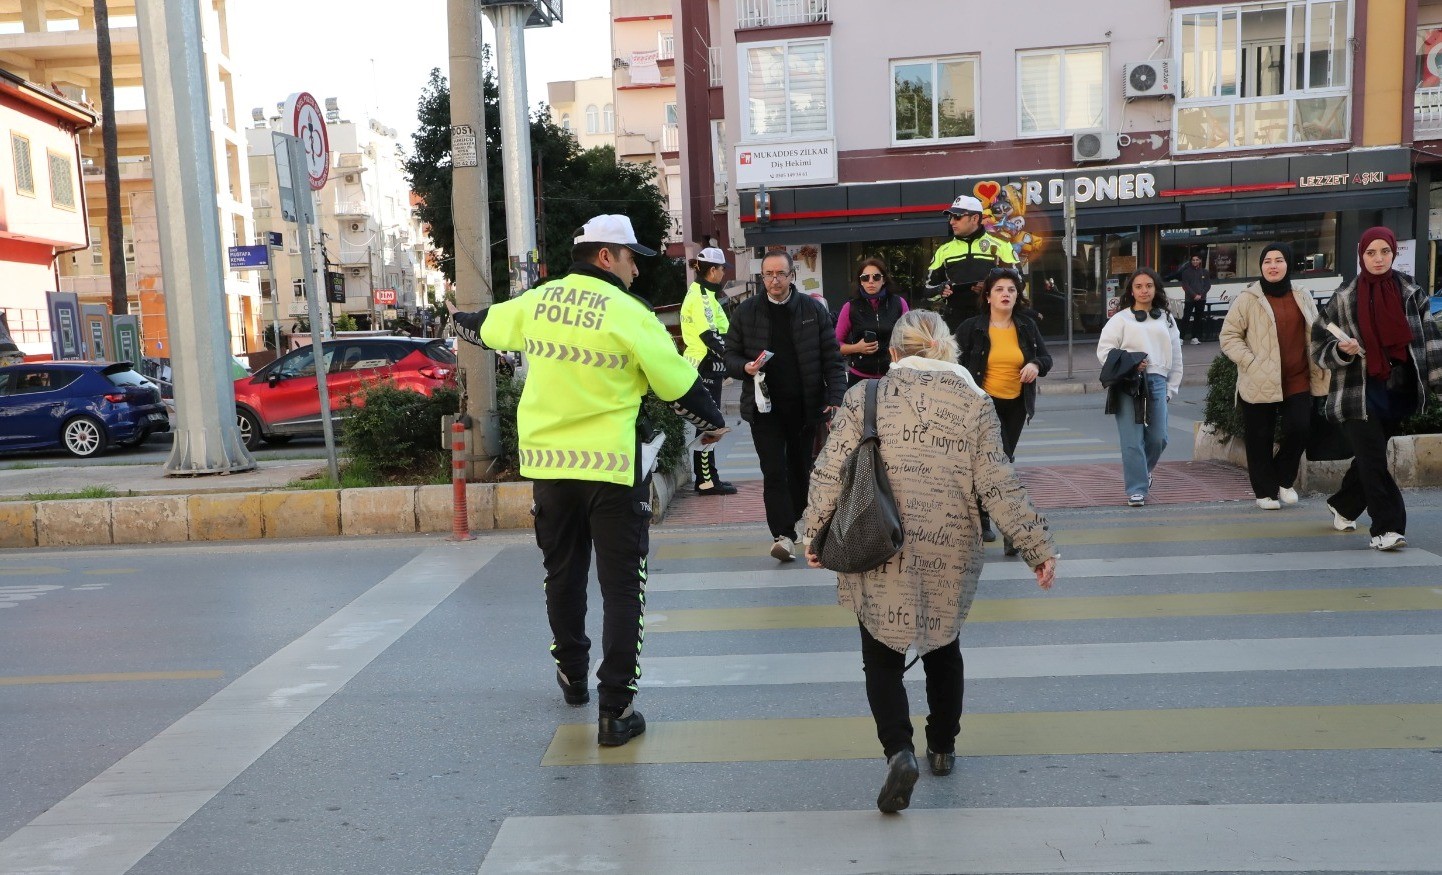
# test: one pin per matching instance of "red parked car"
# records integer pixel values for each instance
(282, 399)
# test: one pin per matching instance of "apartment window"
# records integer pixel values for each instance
(24, 172)
(62, 183)
(297, 288)
(1262, 74)
(1061, 90)
(608, 118)
(933, 99)
(593, 119)
(97, 248)
(786, 91)
(565, 121)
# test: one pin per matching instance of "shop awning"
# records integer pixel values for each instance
(1298, 204)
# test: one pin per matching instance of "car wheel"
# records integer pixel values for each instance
(84, 436)
(249, 428)
(277, 438)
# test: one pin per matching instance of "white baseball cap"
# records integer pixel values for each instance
(712, 255)
(616, 230)
(964, 204)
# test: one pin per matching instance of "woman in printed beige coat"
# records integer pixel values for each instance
(1267, 332)
(941, 443)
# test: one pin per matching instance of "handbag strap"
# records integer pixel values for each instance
(868, 430)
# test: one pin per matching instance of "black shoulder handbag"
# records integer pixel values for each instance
(865, 530)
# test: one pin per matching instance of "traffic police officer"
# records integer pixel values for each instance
(703, 325)
(594, 350)
(962, 263)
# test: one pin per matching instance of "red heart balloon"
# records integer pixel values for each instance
(987, 191)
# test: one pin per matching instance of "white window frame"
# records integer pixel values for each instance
(1289, 94)
(1063, 51)
(608, 119)
(743, 80)
(975, 61)
(593, 119)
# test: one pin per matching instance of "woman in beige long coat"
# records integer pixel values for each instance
(941, 444)
(1267, 333)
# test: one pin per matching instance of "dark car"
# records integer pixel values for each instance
(83, 407)
(282, 399)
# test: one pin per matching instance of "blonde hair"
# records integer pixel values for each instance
(923, 333)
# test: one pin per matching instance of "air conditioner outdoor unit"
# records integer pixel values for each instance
(722, 195)
(350, 178)
(1148, 79)
(355, 226)
(1094, 146)
(356, 271)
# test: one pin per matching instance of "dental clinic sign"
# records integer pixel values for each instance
(776, 165)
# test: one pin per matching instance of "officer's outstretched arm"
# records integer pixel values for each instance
(698, 408)
(468, 325)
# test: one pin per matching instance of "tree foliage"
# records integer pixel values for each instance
(576, 184)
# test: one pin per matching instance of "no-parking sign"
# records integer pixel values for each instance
(305, 121)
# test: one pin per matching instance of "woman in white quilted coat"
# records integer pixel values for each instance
(941, 444)
(1267, 333)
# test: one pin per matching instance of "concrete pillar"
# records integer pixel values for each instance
(510, 22)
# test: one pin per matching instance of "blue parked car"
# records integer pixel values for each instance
(82, 407)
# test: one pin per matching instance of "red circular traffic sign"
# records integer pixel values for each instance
(307, 123)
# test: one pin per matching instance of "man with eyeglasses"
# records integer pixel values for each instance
(960, 265)
(783, 348)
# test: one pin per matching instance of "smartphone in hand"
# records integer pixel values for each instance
(868, 337)
(763, 358)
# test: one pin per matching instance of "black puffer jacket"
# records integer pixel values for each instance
(974, 345)
(823, 373)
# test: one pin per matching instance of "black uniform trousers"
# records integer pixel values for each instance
(571, 517)
(886, 694)
(784, 440)
(713, 376)
(1269, 472)
(1194, 317)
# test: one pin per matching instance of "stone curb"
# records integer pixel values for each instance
(1415, 460)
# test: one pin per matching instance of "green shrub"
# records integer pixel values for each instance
(1427, 422)
(508, 396)
(1221, 412)
(345, 322)
(392, 431)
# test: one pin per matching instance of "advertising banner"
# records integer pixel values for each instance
(126, 333)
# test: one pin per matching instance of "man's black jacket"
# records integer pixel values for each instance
(818, 355)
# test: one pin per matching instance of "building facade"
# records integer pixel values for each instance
(54, 43)
(367, 227)
(1180, 127)
(647, 107)
(42, 207)
(586, 108)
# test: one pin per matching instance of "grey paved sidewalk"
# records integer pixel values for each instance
(150, 479)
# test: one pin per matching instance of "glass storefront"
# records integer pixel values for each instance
(1232, 250)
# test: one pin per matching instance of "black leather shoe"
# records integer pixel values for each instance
(1011, 549)
(941, 763)
(901, 775)
(720, 487)
(987, 533)
(574, 692)
(616, 731)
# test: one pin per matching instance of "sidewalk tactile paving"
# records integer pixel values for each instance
(1052, 486)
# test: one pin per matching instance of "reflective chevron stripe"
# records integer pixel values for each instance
(576, 460)
(566, 353)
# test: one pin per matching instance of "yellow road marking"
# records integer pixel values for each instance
(1181, 730)
(1125, 607)
(1310, 528)
(31, 570)
(109, 677)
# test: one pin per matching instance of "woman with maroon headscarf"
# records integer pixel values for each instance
(1378, 339)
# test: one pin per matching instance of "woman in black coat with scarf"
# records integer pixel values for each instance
(1378, 339)
(1003, 350)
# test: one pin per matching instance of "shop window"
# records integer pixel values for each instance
(786, 89)
(1232, 251)
(933, 99)
(1262, 74)
(1060, 91)
(24, 171)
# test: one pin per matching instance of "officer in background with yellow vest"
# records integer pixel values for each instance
(594, 351)
(962, 263)
(703, 325)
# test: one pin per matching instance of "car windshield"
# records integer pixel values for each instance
(437, 352)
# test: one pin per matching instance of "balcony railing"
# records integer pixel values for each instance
(713, 64)
(674, 233)
(769, 13)
(1427, 113)
(352, 208)
(670, 138)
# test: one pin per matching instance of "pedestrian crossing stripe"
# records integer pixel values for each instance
(1350, 837)
(1045, 733)
(1128, 534)
(1048, 608)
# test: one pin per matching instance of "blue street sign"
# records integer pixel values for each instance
(246, 257)
(275, 239)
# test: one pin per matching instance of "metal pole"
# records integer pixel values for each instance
(471, 216)
(1069, 219)
(207, 440)
(312, 296)
(510, 22)
(274, 296)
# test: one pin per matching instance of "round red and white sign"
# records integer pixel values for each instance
(306, 122)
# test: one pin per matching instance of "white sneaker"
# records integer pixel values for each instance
(1389, 541)
(1269, 504)
(1341, 523)
(1287, 495)
(1196, 342)
(1137, 500)
(783, 549)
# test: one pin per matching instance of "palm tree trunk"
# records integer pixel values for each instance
(109, 138)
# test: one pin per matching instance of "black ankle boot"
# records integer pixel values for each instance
(616, 731)
(574, 692)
